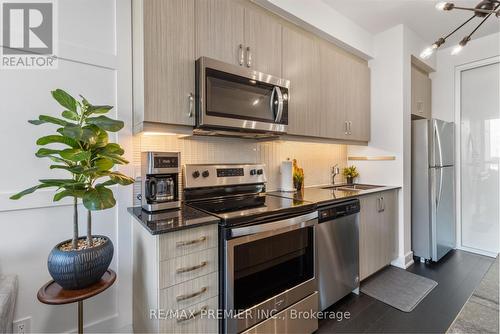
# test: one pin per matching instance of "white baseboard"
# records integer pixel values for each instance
(478, 251)
(404, 261)
(108, 324)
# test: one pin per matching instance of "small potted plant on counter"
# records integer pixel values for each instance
(350, 174)
(298, 176)
(86, 154)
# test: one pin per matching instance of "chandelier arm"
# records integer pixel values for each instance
(477, 10)
(460, 26)
(484, 20)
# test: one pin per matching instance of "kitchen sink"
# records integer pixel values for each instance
(353, 187)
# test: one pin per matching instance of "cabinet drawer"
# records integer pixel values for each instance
(187, 267)
(189, 293)
(187, 241)
(199, 318)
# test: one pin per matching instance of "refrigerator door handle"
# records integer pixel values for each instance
(438, 139)
(439, 192)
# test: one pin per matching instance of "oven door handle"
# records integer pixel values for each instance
(286, 224)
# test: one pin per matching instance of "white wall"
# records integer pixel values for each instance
(443, 81)
(413, 46)
(386, 111)
(95, 47)
(391, 123)
(322, 19)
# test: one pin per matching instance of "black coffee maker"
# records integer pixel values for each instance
(160, 180)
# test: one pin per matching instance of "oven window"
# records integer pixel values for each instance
(233, 96)
(269, 266)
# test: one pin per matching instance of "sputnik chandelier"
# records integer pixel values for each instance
(484, 10)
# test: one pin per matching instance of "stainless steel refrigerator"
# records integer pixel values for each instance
(433, 188)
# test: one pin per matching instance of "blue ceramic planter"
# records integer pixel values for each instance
(78, 269)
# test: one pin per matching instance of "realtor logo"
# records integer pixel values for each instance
(28, 34)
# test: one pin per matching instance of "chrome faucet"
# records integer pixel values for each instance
(335, 172)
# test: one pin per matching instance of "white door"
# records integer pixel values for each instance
(480, 154)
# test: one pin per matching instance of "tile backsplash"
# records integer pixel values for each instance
(315, 158)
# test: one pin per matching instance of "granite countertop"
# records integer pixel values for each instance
(322, 196)
(171, 220)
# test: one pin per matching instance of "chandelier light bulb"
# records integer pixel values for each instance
(427, 52)
(440, 5)
(445, 6)
(460, 46)
(456, 50)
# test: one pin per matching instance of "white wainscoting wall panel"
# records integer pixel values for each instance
(95, 61)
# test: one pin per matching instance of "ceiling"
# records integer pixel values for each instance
(419, 15)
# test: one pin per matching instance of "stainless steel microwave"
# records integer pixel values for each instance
(234, 100)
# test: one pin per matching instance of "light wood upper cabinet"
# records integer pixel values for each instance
(421, 93)
(220, 30)
(345, 94)
(262, 42)
(248, 36)
(358, 106)
(377, 231)
(332, 92)
(163, 33)
(301, 67)
(329, 87)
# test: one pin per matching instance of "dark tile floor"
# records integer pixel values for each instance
(457, 274)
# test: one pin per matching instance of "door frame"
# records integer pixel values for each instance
(458, 135)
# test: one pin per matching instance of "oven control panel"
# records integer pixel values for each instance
(227, 172)
(199, 176)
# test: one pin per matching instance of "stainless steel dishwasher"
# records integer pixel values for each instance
(337, 240)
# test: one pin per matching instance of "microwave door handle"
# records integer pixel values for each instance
(279, 114)
(271, 101)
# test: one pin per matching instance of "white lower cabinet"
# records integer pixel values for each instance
(175, 281)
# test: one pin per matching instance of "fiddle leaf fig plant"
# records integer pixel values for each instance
(84, 151)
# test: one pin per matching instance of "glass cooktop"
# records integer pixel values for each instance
(251, 208)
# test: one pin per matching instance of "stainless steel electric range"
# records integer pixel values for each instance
(266, 245)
